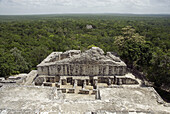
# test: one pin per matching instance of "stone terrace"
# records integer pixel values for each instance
(30, 99)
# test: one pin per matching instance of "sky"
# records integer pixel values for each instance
(20, 7)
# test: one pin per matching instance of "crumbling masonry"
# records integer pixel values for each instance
(87, 70)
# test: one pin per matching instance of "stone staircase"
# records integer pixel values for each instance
(31, 77)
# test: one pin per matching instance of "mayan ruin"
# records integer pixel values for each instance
(84, 56)
(89, 82)
(87, 69)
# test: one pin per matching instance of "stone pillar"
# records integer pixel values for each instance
(84, 84)
(115, 80)
(104, 71)
(58, 68)
(118, 71)
(100, 70)
(110, 70)
(61, 71)
(96, 82)
(120, 81)
(55, 80)
(71, 70)
(75, 83)
(45, 79)
(68, 69)
(59, 57)
(107, 70)
(124, 70)
(109, 81)
(113, 70)
(97, 96)
(59, 83)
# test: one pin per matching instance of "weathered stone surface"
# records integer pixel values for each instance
(2, 79)
(39, 81)
(19, 79)
(31, 76)
(92, 62)
(29, 99)
(80, 82)
(89, 68)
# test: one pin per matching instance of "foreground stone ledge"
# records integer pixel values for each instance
(117, 99)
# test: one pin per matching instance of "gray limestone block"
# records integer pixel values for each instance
(111, 56)
(39, 81)
(167, 104)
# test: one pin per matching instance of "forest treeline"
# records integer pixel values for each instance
(142, 41)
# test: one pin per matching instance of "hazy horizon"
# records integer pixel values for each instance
(83, 14)
(34, 7)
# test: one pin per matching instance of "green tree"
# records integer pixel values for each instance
(21, 64)
(133, 48)
(159, 71)
(7, 64)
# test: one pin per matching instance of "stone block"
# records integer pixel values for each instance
(83, 91)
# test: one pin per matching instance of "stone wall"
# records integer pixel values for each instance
(81, 70)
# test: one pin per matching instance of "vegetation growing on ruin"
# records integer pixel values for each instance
(142, 41)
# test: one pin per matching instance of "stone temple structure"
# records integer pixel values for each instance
(75, 82)
(84, 69)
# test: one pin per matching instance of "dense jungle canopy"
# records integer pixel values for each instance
(142, 41)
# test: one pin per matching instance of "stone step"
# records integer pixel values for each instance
(31, 77)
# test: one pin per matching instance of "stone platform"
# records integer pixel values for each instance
(119, 99)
